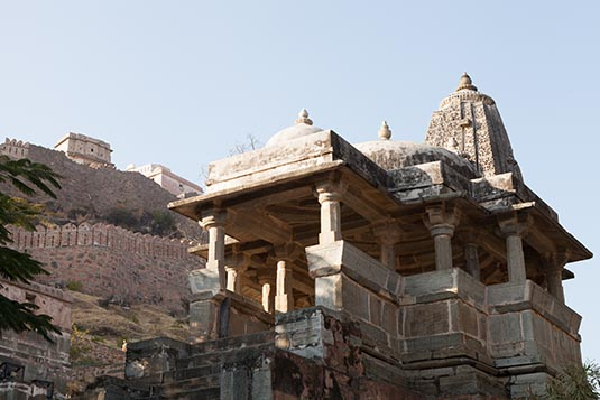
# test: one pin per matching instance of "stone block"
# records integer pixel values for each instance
(328, 291)
(426, 319)
(504, 328)
(430, 283)
(204, 280)
(355, 298)
(203, 319)
(374, 310)
(467, 319)
(389, 318)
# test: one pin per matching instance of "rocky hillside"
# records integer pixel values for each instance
(119, 197)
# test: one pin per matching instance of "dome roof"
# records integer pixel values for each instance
(302, 127)
(393, 154)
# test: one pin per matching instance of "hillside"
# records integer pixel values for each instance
(123, 198)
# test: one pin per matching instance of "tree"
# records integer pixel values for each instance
(576, 382)
(251, 143)
(27, 177)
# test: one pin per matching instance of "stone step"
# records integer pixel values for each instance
(182, 374)
(199, 360)
(233, 342)
(198, 394)
(204, 382)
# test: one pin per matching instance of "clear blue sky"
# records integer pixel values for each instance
(180, 82)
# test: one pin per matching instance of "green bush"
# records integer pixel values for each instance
(76, 286)
(576, 382)
(123, 218)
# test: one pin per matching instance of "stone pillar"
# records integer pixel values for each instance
(472, 260)
(441, 221)
(268, 295)
(232, 279)
(213, 222)
(555, 264)
(284, 300)
(266, 292)
(331, 220)
(513, 228)
(389, 235)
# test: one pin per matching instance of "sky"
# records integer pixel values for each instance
(180, 83)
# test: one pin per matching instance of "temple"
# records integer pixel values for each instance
(382, 269)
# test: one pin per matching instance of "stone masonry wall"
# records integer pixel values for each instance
(42, 360)
(111, 261)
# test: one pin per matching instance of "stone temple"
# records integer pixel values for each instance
(376, 270)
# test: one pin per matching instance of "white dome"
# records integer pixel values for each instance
(293, 132)
(302, 127)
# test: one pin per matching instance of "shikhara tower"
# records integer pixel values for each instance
(469, 123)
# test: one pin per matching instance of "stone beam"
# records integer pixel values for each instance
(256, 223)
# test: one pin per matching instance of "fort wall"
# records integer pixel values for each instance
(108, 261)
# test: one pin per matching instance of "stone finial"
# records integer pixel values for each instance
(384, 132)
(303, 118)
(466, 83)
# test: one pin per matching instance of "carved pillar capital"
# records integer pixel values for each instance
(515, 224)
(211, 218)
(441, 215)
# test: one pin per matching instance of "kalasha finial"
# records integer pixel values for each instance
(303, 118)
(466, 83)
(384, 132)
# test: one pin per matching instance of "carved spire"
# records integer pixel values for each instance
(303, 118)
(469, 122)
(384, 132)
(466, 83)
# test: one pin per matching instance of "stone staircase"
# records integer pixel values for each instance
(196, 371)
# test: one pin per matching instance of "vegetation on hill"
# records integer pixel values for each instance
(125, 198)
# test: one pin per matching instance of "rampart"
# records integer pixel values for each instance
(108, 261)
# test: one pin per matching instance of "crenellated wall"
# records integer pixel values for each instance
(110, 261)
(100, 234)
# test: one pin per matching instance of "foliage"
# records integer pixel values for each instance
(76, 286)
(26, 176)
(161, 223)
(576, 382)
(123, 218)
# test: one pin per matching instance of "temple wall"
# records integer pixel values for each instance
(430, 320)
